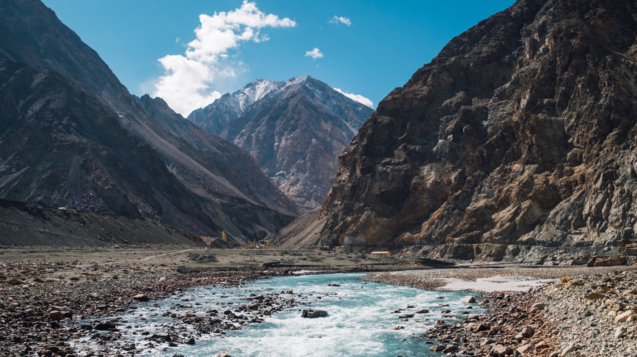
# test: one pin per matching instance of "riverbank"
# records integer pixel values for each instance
(44, 291)
(580, 312)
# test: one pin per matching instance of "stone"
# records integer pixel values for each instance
(501, 351)
(567, 349)
(620, 332)
(422, 311)
(595, 296)
(450, 349)
(437, 348)
(607, 261)
(310, 313)
(15, 281)
(527, 332)
(221, 354)
(541, 346)
(523, 349)
(468, 299)
(56, 315)
(162, 337)
(141, 297)
(538, 306)
(105, 325)
(476, 327)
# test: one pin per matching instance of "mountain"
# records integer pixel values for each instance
(23, 224)
(126, 155)
(294, 129)
(517, 142)
(216, 116)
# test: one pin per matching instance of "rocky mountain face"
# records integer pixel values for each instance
(215, 117)
(519, 139)
(295, 131)
(73, 136)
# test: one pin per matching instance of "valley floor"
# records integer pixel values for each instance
(98, 282)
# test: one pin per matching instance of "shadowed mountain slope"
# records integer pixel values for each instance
(229, 190)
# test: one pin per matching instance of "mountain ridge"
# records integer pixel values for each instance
(223, 179)
(294, 129)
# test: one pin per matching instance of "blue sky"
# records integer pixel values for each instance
(384, 44)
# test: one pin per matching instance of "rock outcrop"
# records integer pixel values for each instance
(295, 131)
(73, 136)
(519, 137)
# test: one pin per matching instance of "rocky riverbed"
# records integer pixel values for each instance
(41, 302)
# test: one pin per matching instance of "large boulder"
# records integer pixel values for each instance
(598, 261)
(309, 313)
(105, 325)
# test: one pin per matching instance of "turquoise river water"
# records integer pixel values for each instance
(360, 321)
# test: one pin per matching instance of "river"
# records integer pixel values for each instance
(361, 321)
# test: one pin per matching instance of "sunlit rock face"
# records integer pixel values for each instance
(519, 136)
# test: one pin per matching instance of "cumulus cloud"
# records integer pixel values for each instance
(342, 20)
(315, 53)
(357, 98)
(186, 83)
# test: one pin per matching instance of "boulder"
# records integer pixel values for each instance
(523, 349)
(450, 349)
(56, 315)
(541, 345)
(161, 336)
(15, 281)
(598, 261)
(221, 354)
(595, 296)
(141, 297)
(468, 299)
(619, 332)
(310, 313)
(501, 351)
(105, 325)
(623, 316)
(538, 306)
(528, 332)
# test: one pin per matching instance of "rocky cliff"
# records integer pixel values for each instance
(294, 129)
(517, 139)
(69, 100)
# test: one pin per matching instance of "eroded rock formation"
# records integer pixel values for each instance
(518, 137)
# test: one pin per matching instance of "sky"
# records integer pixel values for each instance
(191, 52)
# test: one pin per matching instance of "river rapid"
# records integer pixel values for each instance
(362, 319)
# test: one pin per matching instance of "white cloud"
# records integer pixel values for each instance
(343, 20)
(357, 97)
(186, 84)
(315, 53)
